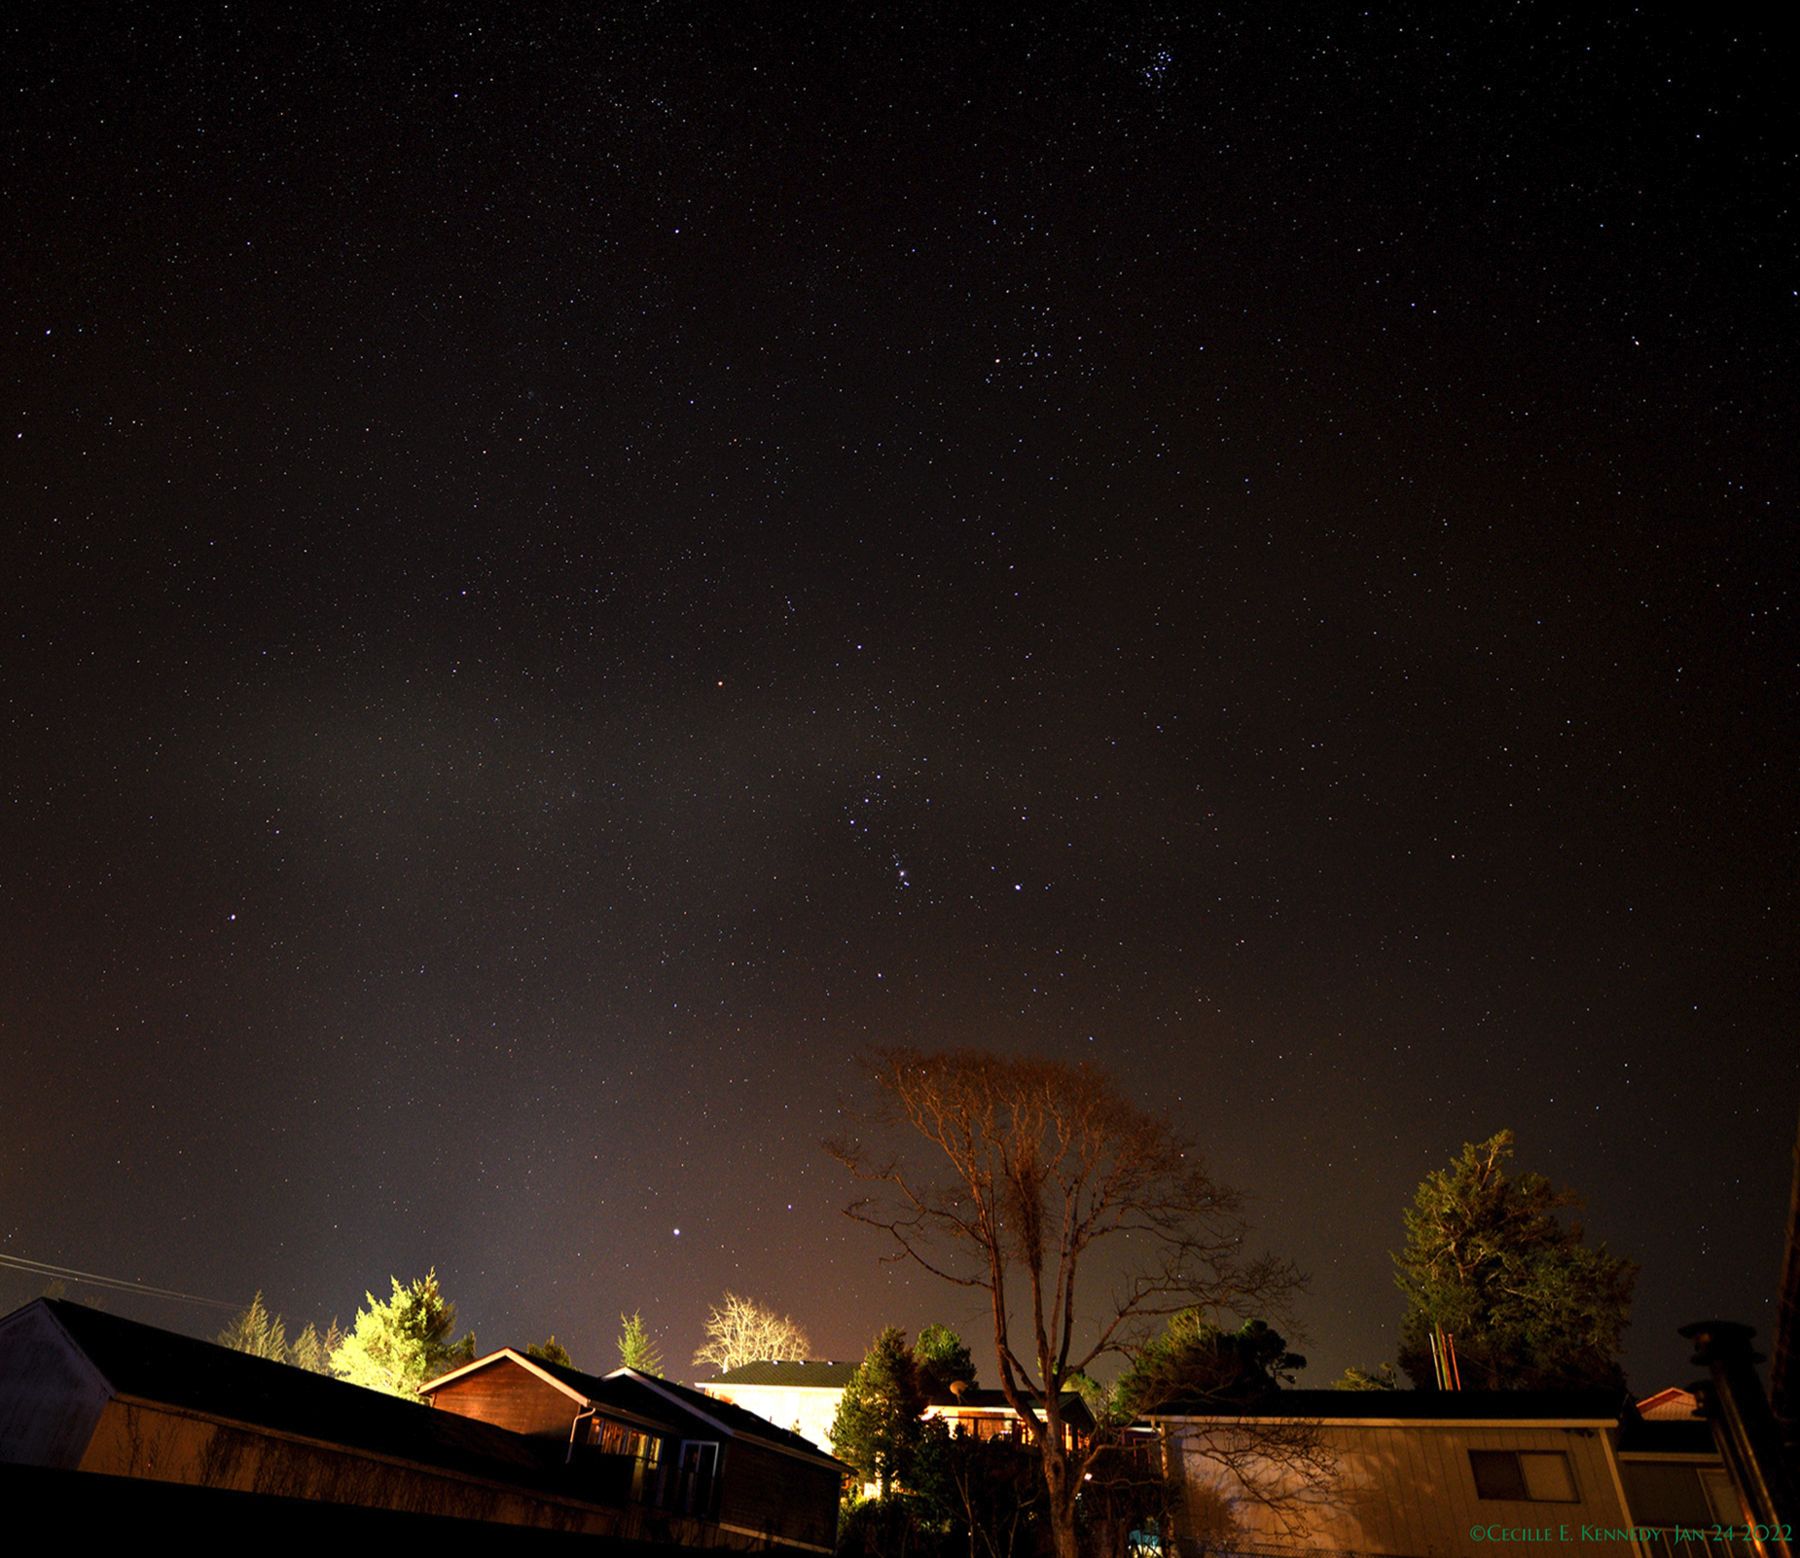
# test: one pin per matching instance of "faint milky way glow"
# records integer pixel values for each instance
(566, 580)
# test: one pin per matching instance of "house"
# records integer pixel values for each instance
(805, 1396)
(1430, 1473)
(86, 1391)
(1675, 1480)
(800, 1396)
(690, 1467)
(514, 1441)
(1671, 1404)
(987, 1414)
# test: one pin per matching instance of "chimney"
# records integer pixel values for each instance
(1744, 1427)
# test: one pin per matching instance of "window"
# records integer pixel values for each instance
(1677, 1493)
(698, 1471)
(615, 1438)
(1539, 1476)
(637, 1456)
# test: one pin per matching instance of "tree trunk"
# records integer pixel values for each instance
(1062, 1500)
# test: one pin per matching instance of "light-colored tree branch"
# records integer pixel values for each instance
(739, 1330)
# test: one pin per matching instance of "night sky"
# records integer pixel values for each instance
(568, 569)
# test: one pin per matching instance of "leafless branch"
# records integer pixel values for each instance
(1008, 1173)
(739, 1330)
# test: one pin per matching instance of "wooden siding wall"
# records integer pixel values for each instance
(510, 1397)
(778, 1495)
(135, 1440)
(1402, 1489)
(50, 1398)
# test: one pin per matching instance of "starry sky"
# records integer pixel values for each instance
(571, 568)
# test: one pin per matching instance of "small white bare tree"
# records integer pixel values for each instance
(739, 1330)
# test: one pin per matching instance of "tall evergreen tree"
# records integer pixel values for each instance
(1382, 1377)
(1194, 1360)
(637, 1347)
(1491, 1263)
(877, 1424)
(942, 1359)
(550, 1350)
(257, 1332)
(396, 1346)
(312, 1352)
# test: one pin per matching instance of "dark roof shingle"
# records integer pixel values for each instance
(662, 1400)
(814, 1373)
(164, 1366)
(1423, 1405)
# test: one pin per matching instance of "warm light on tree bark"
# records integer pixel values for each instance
(1007, 1174)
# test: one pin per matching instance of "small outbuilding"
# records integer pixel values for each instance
(86, 1391)
(695, 1469)
(1430, 1474)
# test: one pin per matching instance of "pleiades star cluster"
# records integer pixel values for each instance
(569, 569)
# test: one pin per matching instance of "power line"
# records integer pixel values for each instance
(110, 1284)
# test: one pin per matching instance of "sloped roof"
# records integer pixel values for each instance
(649, 1399)
(811, 1373)
(154, 1365)
(1665, 1436)
(578, 1387)
(640, 1391)
(1674, 1403)
(1446, 1406)
(1074, 1409)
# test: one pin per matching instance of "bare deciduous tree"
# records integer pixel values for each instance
(1013, 1171)
(740, 1330)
